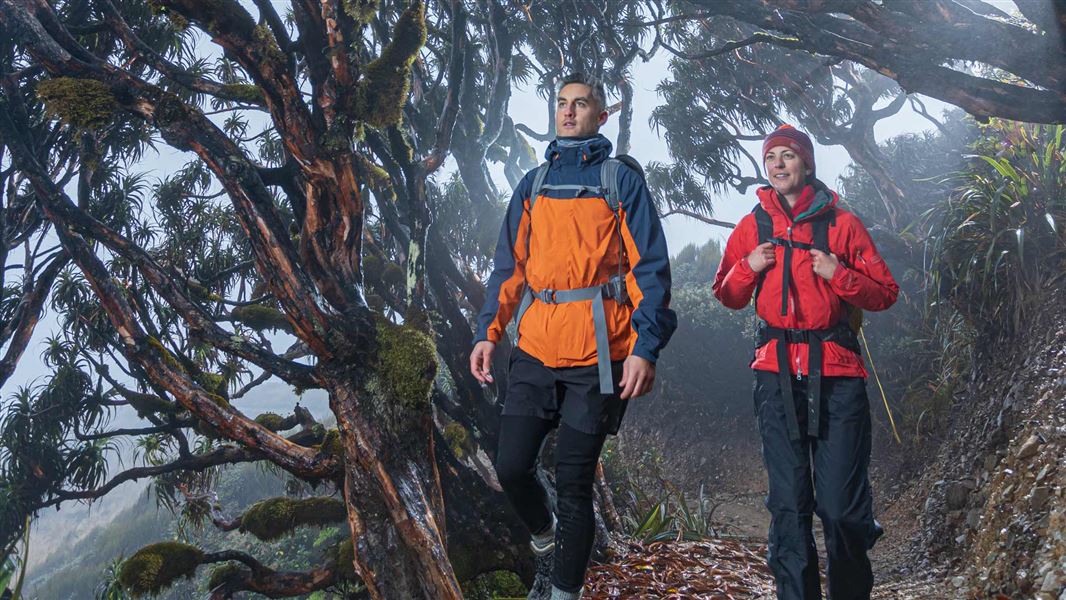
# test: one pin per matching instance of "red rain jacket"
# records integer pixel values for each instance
(862, 279)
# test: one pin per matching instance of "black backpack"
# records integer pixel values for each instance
(820, 240)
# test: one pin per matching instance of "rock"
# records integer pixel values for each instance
(973, 518)
(1030, 447)
(990, 462)
(1052, 582)
(958, 581)
(930, 504)
(1043, 473)
(957, 494)
(1039, 497)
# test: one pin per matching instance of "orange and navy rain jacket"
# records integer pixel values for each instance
(569, 243)
(862, 279)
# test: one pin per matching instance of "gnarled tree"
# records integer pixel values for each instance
(175, 288)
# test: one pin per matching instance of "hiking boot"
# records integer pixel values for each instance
(543, 543)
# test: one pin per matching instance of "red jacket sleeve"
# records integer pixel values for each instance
(735, 282)
(863, 278)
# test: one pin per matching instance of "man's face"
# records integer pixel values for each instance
(577, 114)
(786, 170)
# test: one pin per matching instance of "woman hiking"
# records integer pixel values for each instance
(812, 268)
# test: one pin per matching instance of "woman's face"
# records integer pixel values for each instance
(786, 170)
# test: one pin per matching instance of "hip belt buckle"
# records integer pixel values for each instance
(546, 296)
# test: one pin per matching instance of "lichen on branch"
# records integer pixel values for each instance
(273, 518)
(156, 567)
(85, 103)
(382, 91)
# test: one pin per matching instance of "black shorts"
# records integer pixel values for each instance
(569, 394)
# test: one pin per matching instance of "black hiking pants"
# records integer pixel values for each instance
(539, 399)
(828, 476)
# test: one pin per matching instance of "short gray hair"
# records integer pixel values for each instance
(598, 93)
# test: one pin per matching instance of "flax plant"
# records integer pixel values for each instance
(1002, 241)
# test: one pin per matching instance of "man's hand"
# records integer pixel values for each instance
(481, 362)
(824, 264)
(762, 257)
(638, 374)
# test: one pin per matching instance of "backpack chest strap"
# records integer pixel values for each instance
(791, 244)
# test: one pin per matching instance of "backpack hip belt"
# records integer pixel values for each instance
(615, 289)
(841, 334)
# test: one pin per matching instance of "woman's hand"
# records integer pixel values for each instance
(762, 257)
(824, 264)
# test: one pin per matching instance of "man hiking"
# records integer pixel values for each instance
(812, 268)
(583, 267)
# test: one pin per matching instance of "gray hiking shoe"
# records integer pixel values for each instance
(543, 543)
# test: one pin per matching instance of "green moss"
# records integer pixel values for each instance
(199, 291)
(168, 358)
(495, 584)
(456, 436)
(155, 567)
(245, 92)
(385, 82)
(147, 404)
(337, 138)
(261, 317)
(496, 153)
(268, 45)
(276, 517)
(362, 11)
(222, 574)
(344, 555)
(331, 443)
(215, 384)
(376, 176)
(372, 268)
(528, 158)
(407, 364)
(80, 102)
(272, 421)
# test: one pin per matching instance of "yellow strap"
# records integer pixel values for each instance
(877, 378)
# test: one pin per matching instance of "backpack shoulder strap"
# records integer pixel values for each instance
(820, 230)
(538, 184)
(609, 175)
(764, 222)
(765, 225)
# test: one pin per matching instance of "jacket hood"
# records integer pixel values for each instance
(577, 151)
(815, 199)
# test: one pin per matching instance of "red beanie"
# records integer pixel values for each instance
(799, 142)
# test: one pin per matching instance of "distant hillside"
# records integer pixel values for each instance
(75, 572)
(55, 530)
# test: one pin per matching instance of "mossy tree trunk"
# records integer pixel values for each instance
(378, 374)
